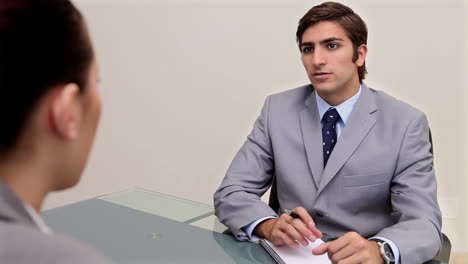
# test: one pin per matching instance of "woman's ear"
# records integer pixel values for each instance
(64, 115)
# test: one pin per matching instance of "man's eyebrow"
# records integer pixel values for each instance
(330, 40)
(308, 43)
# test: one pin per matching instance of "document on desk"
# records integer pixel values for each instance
(299, 255)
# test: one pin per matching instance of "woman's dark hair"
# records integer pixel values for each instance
(43, 43)
(351, 22)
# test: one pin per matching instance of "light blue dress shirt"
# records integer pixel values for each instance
(344, 109)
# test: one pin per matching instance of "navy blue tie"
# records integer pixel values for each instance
(329, 133)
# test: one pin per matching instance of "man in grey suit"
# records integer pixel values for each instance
(51, 108)
(351, 161)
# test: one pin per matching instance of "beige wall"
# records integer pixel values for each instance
(464, 179)
(183, 81)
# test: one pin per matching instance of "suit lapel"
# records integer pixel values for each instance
(357, 127)
(312, 137)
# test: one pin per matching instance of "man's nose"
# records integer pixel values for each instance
(319, 58)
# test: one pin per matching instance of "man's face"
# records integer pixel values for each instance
(327, 55)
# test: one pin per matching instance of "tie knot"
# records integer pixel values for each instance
(331, 116)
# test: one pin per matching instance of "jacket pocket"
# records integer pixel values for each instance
(362, 180)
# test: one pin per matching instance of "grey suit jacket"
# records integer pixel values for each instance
(379, 179)
(21, 241)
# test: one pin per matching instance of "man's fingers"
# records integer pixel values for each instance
(292, 231)
(350, 248)
(338, 244)
(343, 253)
(321, 249)
(358, 258)
(285, 239)
(305, 216)
(316, 232)
(303, 230)
(309, 222)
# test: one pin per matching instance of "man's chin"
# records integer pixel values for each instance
(324, 89)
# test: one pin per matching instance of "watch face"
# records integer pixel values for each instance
(388, 252)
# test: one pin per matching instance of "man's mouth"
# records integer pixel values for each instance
(321, 75)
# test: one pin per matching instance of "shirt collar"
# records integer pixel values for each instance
(37, 219)
(344, 109)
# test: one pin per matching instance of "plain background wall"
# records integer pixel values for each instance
(183, 81)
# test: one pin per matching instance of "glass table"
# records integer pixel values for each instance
(142, 226)
(175, 208)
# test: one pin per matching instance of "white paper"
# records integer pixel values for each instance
(301, 254)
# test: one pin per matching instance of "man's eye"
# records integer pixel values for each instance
(306, 49)
(333, 46)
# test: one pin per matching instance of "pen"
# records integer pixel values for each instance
(291, 213)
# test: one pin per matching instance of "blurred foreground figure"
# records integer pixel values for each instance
(51, 109)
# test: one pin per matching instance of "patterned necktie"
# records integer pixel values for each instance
(329, 133)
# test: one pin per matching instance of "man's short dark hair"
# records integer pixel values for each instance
(353, 25)
(43, 43)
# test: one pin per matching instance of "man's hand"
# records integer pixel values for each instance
(351, 248)
(287, 230)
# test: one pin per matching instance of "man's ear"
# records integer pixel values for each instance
(362, 54)
(63, 113)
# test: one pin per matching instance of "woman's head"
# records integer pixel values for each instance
(43, 43)
(47, 82)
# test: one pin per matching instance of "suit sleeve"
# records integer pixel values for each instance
(415, 211)
(237, 200)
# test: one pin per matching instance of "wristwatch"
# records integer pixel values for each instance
(386, 252)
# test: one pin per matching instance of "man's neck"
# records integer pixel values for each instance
(336, 98)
